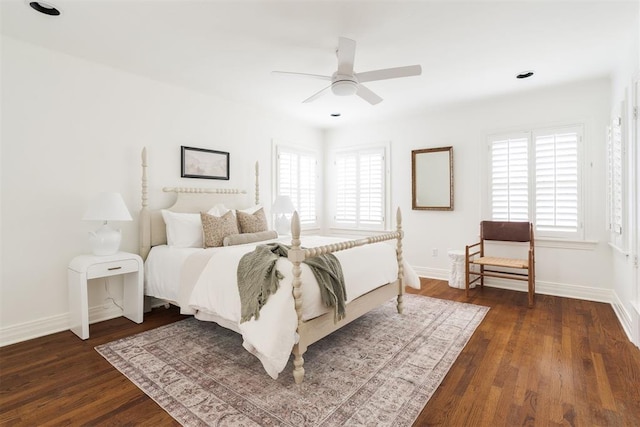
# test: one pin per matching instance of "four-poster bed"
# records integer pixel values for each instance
(309, 327)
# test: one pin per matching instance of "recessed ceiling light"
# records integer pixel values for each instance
(335, 114)
(524, 75)
(44, 7)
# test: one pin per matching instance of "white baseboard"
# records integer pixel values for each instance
(635, 324)
(50, 325)
(546, 288)
(556, 289)
(432, 273)
(624, 317)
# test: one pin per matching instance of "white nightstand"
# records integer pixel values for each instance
(85, 267)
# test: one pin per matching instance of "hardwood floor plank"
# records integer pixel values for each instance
(550, 350)
(565, 362)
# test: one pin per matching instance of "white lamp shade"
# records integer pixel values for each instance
(107, 207)
(282, 205)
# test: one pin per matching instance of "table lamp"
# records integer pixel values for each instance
(281, 207)
(106, 207)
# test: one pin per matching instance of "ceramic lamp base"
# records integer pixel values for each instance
(282, 225)
(105, 240)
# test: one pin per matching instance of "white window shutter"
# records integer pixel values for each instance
(361, 188)
(535, 176)
(556, 182)
(347, 178)
(307, 190)
(615, 181)
(371, 197)
(509, 179)
(296, 178)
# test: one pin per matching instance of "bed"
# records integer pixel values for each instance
(202, 282)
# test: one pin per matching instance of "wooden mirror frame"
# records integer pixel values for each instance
(421, 175)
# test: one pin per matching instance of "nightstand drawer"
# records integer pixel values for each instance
(112, 268)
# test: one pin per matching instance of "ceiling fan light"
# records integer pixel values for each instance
(344, 87)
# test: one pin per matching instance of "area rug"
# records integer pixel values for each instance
(379, 370)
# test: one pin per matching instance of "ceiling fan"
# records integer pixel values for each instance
(345, 81)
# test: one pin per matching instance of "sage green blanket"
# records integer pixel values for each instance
(258, 278)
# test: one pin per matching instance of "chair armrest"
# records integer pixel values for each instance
(468, 254)
(474, 245)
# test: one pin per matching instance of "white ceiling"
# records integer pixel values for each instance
(468, 50)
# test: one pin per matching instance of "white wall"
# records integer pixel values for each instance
(72, 128)
(581, 270)
(624, 272)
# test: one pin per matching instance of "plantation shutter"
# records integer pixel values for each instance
(306, 200)
(509, 178)
(371, 197)
(288, 175)
(347, 179)
(360, 177)
(556, 181)
(297, 179)
(615, 176)
(535, 176)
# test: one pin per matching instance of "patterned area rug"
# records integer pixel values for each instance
(379, 370)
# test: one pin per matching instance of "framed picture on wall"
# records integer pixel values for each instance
(203, 163)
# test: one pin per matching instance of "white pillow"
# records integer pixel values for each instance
(218, 210)
(251, 210)
(184, 230)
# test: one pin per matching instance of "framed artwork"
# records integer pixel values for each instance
(203, 163)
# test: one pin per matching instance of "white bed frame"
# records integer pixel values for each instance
(153, 232)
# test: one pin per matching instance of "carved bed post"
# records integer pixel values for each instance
(257, 184)
(144, 218)
(400, 261)
(296, 256)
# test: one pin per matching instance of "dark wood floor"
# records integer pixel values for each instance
(565, 362)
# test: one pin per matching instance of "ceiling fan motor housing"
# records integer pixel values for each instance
(342, 85)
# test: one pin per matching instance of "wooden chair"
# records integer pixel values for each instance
(506, 232)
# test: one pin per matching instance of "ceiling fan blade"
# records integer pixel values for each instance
(389, 73)
(316, 95)
(366, 94)
(314, 76)
(346, 56)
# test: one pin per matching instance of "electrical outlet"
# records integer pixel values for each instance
(434, 252)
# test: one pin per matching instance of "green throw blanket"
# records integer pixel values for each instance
(258, 278)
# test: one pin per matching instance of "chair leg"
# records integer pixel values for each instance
(482, 276)
(466, 277)
(532, 285)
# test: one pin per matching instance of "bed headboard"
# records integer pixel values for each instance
(196, 200)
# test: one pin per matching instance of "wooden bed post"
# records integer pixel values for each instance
(144, 218)
(296, 256)
(400, 261)
(257, 198)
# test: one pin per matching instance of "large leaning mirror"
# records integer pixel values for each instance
(432, 179)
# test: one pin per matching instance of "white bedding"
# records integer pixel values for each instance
(162, 271)
(209, 290)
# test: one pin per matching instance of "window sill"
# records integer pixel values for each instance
(585, 245)
(618, 249)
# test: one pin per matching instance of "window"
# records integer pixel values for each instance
(615, 180)
(360, 188)
(296, 177)
(535, 176)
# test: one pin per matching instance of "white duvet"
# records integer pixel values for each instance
(209, 291)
